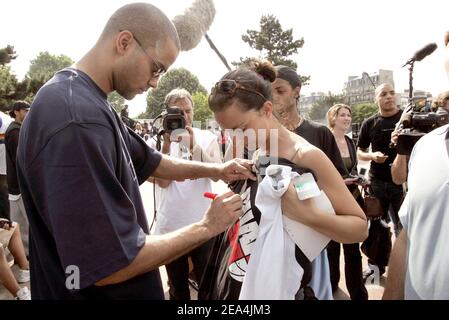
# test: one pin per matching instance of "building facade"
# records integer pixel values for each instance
(359, 89)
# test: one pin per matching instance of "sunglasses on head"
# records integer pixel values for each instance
(229, 87)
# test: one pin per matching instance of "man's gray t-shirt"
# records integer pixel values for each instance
(425, 216)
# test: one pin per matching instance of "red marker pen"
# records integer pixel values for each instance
(210, 195)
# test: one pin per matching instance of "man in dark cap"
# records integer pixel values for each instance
(18, 112)
(286, 93)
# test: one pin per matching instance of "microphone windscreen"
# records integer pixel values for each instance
(424, 52)
(194, 23)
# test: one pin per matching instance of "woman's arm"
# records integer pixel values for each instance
(349, 224)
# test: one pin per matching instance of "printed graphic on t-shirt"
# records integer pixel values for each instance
(242, 237)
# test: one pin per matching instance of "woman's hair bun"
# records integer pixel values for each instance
(264, 68)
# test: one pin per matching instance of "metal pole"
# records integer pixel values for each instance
(222, 58)
(410, 68)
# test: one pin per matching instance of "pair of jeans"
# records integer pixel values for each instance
(353, 269)
(178, 271)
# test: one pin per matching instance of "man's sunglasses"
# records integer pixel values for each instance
(229, 87)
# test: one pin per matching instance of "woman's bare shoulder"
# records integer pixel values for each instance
(306, 152)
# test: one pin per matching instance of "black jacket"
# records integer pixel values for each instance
(321, 137)
(11, 144)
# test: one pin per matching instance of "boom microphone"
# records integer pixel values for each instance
(194, 23)
(421, 54)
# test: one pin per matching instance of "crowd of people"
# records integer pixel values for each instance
(74, 166)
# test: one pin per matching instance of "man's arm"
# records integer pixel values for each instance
(394, 288)
(178, 169)
(11, 144)
(399, 166)
(365, 155)
(399, 169)
(210, 155)
(160, 250)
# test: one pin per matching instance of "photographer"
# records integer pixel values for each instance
(79, 170)
(376, 132)
(182, 202)
(420, 258)
(399, 167)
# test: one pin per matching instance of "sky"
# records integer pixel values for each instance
(342, 38)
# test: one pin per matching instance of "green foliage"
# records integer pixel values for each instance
(8, 84)
(202, 112)
(320, 108)
(116, 101)
(142, 115)
(7, 54)
(363, 111)
(273, 44)
(175, 78)
(42, 69)
(45, 65)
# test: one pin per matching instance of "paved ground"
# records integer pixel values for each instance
(4, 294)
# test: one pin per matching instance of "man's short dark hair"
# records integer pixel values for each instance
(288, 74)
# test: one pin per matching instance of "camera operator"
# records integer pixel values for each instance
(400, 164)
(376, 131)
(182, 202)
(419, 261)
(79, 170)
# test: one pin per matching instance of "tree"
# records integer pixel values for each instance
(42, 68)
(8, 84)
(202, 111)
(116, 101)
(175, 78)
(363, 111)
(46, 64)
(7, 54)
(273, 43)
(8, 81)
(320, 108)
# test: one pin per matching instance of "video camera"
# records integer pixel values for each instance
(172, 119)
(416, 121)
(417, 118)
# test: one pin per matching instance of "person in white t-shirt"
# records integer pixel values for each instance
(419, 261)
(182, 202)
